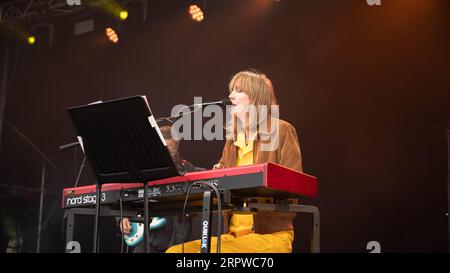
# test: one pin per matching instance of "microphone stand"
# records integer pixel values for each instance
(199, 107)
(172, 119)
(70, 146)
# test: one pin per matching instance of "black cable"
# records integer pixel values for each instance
(184, 213)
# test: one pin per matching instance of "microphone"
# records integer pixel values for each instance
(226, 102)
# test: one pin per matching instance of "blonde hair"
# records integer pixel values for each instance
(260, 92)
(256, 85)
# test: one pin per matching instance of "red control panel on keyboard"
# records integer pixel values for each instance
(259, 180)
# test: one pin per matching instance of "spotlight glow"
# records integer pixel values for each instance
(196, 13)
(112, 35)
(31, 40)
(123, 15)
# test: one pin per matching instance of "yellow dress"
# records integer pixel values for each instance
(241, 237)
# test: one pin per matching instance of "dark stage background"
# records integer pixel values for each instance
(362, 84)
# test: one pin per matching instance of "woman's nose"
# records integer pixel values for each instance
(231, 96)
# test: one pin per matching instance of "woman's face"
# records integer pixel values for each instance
(240, 100)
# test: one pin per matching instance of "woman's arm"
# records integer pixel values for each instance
(290, 154)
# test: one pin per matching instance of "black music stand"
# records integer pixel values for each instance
(122, 143)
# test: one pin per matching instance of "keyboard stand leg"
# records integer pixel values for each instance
(205, 246)
(105, 211)
(69, 228)
(315, 237)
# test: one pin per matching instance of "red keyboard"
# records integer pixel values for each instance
(260, 180)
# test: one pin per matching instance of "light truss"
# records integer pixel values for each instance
(27, 11)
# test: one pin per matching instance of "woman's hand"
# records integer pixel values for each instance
(125, 226)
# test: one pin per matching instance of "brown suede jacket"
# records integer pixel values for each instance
(286, 153)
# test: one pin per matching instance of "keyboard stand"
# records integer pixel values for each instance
(283, 205)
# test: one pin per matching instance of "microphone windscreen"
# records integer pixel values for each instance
(226, 102)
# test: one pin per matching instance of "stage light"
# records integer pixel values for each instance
(109, 6)
(31, 40)
(41, 33)
(136, 11)
(18, 32)
(123, 15)
(196, 13)
(112, 35)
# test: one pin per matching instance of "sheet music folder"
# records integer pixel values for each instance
(122, 141)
